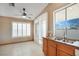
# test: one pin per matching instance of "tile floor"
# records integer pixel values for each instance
(21, 49)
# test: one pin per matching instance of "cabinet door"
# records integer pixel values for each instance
(45, 46)
(61, 53)
(51, 51)
(61, 48)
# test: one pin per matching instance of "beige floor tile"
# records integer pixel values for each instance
(21, 49)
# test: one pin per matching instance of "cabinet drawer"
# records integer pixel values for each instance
(51, 43)
(68, 49)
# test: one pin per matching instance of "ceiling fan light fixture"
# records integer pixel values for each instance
(23, 16)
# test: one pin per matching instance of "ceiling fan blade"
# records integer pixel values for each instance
(24, 9)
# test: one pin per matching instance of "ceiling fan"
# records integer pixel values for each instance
(24, 14)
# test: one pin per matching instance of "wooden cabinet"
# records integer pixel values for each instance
(51, 48)
(54, 48)
(64, 49)
(51, 51)
(45, 46)
(61, 53)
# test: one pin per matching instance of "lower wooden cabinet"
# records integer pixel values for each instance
(51, 51)
(45, 46)
(64, 49)
(61, 53)
(53, 48)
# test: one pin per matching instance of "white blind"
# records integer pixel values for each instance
(21, 29)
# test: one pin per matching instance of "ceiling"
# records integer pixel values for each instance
(32, 9)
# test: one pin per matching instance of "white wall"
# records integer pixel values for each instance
(36, 39)
(39, 20)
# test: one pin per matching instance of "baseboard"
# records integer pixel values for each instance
(15, 42)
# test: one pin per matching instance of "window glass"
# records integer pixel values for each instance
(28, 29)
(14, 29)
(19, 29)
(73, 22)
(60, 23)
(24, 29)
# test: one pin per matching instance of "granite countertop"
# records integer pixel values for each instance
(74, 44)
